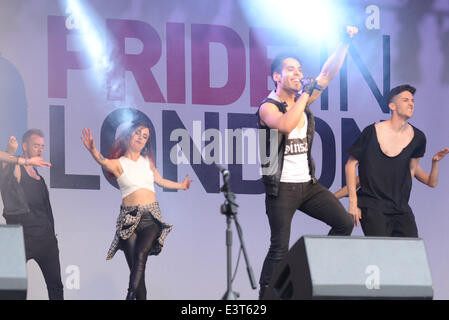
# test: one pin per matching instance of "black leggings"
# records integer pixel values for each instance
(136, 250)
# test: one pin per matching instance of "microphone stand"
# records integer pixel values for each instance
(229, 208)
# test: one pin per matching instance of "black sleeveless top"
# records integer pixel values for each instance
(39, 221)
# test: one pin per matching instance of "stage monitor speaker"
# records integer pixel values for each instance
(325, 267)
(13, 273)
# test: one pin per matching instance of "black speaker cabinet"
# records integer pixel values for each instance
(325, 267)
(13, 273)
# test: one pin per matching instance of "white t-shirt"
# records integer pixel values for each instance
(296, 165)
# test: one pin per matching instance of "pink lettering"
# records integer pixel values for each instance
(202, 93)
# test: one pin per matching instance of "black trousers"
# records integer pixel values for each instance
(136, 250)
(378, 224)
(314, 200)
(44, 250)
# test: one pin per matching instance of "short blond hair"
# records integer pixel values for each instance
(27, 135)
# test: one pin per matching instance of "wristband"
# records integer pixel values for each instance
(308, 85)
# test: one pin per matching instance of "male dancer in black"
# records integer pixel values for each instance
(26, 202)
(387, 154)
(289, 178)
(429, 179)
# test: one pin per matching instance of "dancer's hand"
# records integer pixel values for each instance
(88, 140)
(185, 185)
(356, 213)
(440, 154)
(12, 145)
(38, 162)
(351, 31)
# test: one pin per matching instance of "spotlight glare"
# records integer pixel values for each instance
(311, 20)
(89, 27)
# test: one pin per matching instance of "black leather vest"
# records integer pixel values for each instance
(272, 169)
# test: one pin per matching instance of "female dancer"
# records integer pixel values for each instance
(140, 228)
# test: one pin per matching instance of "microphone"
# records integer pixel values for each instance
(308, 85)
(224, 171)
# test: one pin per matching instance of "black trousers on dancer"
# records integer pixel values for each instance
(378, 224)
(136, 249)
(312, 199)
(44, 250)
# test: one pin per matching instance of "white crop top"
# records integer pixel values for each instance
(136, 175)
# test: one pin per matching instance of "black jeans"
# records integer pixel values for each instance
(44, 250)
(312, 199)
(378, 224)
(136, 250)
